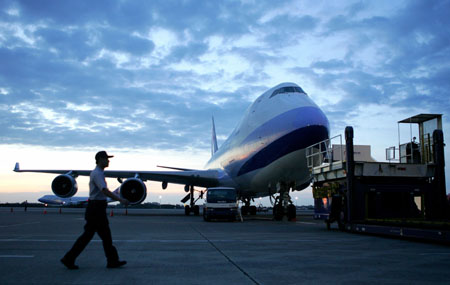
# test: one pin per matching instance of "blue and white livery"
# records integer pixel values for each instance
(264, 155)
(268, 146)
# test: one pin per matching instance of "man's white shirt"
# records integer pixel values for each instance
(96, 184)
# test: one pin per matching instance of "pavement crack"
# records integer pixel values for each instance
(227, 257)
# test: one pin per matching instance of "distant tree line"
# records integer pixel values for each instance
(152, 205)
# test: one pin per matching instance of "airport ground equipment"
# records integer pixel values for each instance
(220, 203)
(405, 196)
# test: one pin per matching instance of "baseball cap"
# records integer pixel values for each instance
(102, 154)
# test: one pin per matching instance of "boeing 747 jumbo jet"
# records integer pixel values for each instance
(263, 156)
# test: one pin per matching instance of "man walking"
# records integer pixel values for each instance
(96, 218)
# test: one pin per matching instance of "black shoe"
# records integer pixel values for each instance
(68, 264)
(116, 264)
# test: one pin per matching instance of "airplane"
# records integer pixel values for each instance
(263, 156)
(58, 201)
(70, 201)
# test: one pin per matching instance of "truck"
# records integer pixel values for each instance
(220, 203)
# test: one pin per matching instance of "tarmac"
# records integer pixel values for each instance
(166, 247)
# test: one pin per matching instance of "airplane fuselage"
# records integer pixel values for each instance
(267, 148)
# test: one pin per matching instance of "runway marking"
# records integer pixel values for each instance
(5, 226)
(16, 256)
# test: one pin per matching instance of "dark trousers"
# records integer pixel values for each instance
(96, 222)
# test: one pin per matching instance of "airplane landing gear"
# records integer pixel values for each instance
(195, 209)
(291, 212)
(192, 207)
(278, 211)
(284, 207)
(246, 209)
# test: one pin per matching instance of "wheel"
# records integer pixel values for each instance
(196, 210)
(187, 210)
(278, 212)
(291, 212)
(252, 210)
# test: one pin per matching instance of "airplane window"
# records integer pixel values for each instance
(288, 89)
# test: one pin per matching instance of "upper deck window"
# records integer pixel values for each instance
(288, 89)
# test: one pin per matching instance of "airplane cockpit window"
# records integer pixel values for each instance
(288, 89)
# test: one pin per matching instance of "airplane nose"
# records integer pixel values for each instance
(320, 119)
(302, 127)
(312, 124)
(310, 116)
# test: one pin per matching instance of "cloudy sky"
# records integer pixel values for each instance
(143, 78)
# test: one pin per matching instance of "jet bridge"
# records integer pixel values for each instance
(405, 196)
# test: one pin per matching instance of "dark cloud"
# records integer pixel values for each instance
(191, 52)
(84, 12)
(289, 24)
(333, 64)
(414, 54)
(82, 73)
(123, 41)
(285, 30)
(71, 44)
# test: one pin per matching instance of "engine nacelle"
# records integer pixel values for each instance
(64, 186)
(134, 190)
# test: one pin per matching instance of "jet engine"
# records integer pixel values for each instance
(134, 190)
(64, 186)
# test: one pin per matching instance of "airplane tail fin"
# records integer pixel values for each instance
(213, 138)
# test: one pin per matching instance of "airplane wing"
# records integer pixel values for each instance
(201, 178)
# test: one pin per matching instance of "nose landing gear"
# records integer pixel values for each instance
(283, 206)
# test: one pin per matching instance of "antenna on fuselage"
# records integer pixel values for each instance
(213, 138)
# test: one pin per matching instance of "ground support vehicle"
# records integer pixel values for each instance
(405, 198)
(220, 203)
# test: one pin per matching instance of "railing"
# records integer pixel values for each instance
(392, 153)
(321, 153)
(411, 152)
